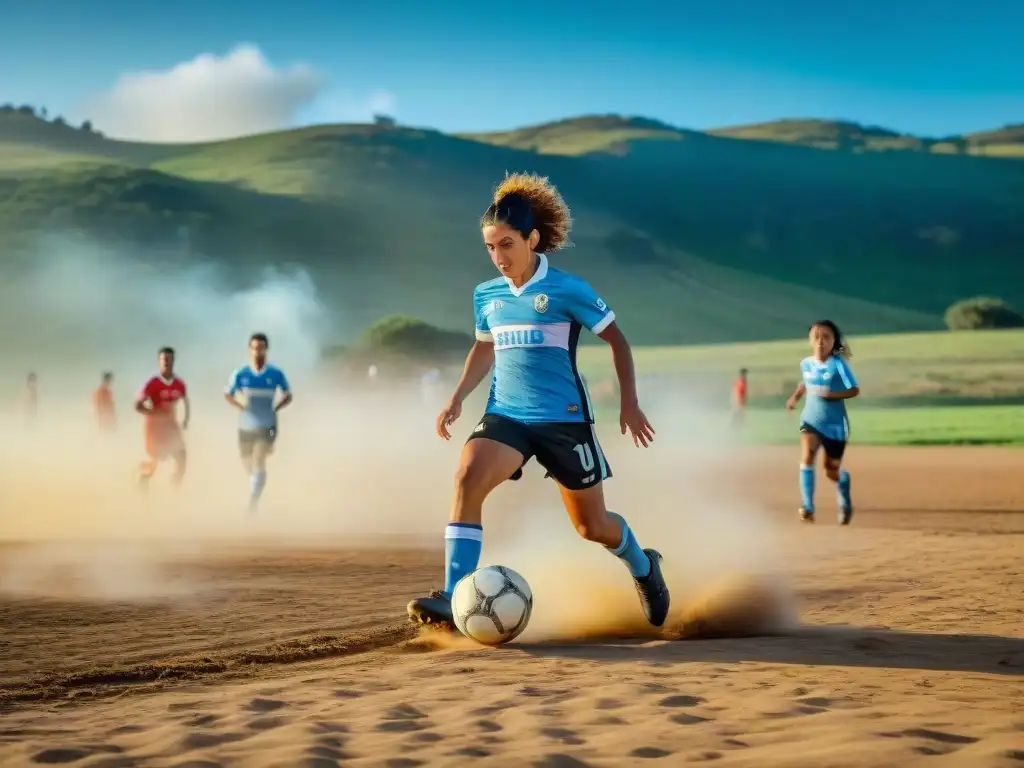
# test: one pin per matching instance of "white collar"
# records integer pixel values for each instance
(540, 274)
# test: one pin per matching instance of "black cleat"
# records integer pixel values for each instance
(653, 591)
(434, 611)
(806, 515)
(845, 515)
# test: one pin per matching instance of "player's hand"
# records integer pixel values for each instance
(633, 419)
(448, 416)
(791, 404)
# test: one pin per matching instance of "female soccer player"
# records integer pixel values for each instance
(828, 382)
(528, 323)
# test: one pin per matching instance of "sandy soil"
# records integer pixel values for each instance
(909, 648)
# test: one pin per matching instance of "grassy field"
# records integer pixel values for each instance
(917, 389)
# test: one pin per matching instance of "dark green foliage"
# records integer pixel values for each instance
(415, 339)
(982, 312)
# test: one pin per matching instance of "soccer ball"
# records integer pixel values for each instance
(492, 605)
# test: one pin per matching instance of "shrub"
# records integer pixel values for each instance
(982, 312)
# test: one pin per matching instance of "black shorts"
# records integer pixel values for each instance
(833, 448)
(569, 451)
(247, 439)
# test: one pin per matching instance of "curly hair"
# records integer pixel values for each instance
(527, 202)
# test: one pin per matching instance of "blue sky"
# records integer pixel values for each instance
(455, 65)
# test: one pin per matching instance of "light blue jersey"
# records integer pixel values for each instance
(826, 416)
(258, 388)
(535, 330)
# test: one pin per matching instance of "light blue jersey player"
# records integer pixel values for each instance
(827, 382)
(253, 390)
(528, 326)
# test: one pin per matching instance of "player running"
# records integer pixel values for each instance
(528, 323)
(828, 383)
(157, 402)
(258, 383)
(739, 399)
(103, 404)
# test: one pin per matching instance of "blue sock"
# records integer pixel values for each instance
(258, 481)
(807, 487)
(843, 487)
(462, 544)
(629, 551)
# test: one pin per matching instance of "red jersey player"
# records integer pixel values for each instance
(157, 402)
(739, 398)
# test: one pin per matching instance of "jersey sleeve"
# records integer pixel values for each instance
(483, 331)
(233, 383)
(282, 382)
(145, 391)
(845, 373)
(589, 309)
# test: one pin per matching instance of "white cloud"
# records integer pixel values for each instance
(213, 97)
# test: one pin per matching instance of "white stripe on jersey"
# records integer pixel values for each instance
(541, 335)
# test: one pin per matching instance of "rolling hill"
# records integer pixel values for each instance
(693, 237)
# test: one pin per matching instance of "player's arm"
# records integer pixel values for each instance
(480, 359)
(850, 387)
(143, 401)
(478, 364)
(286, 393)
(186, 416)
(798, 393)
(231, 391)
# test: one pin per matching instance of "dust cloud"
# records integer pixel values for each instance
(351, 467)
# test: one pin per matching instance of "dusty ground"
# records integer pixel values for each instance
(910, 649)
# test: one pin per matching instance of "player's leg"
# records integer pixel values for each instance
(262, 447)
(833, 461)
(147, 467)
(810, 442)
(180, 459)
(573, 457)
(494, 453)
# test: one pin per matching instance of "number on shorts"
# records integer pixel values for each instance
(586, 456)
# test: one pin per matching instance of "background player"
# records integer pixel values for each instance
(528, 323)
(157, 402)
(828, 382)
(103, 404)
(258, 383)
(30, 399)
(739, 399)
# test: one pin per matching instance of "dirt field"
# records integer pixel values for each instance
(909, 650)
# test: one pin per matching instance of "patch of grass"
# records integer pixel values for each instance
(942, 425)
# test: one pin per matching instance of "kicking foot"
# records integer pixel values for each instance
(434, 611)
(653, 591)
(807, 515)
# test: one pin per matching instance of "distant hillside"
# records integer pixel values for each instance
(614, 134)
(843, 135)
(693, 237)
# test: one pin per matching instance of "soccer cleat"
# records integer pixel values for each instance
(653, 590)
(434, 610)
(845, 505)
(806, 515)
(142, 482)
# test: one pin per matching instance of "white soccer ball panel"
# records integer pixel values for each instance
(479, 627)
(509, 610)
(489, 581)
(519, 582)
(464, 597)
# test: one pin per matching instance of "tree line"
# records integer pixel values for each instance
(41, 113)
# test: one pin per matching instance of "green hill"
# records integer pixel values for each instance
(694, 237)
